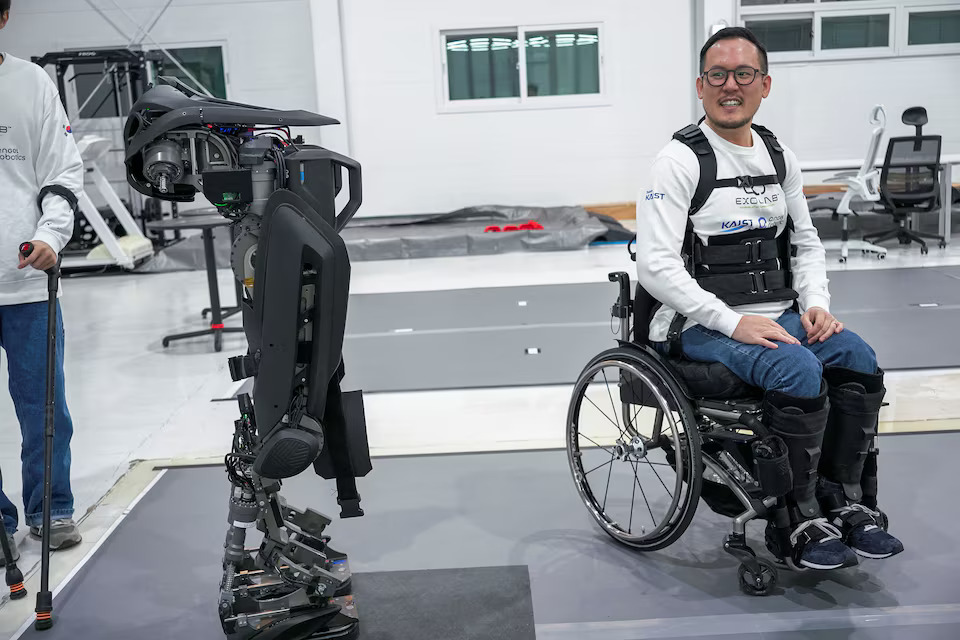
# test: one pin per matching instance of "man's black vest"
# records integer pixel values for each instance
(740, 268)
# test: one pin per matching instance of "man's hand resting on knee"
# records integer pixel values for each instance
(819, 324)
(760, 330)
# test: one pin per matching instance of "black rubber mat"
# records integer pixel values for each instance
(453, 604)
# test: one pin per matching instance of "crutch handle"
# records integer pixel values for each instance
(26, 248)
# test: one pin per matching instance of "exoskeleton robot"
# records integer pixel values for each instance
(293, 265)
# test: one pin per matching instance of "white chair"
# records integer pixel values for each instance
(863, 184)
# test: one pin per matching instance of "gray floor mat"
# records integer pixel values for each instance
(909, 338)
(886, 633)
(953, 272)
(539, 335)
(521, 509)
(153, 582)
(883, 289)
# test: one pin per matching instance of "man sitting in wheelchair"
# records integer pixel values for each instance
(725, 243)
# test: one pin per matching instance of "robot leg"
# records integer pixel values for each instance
(295, 585)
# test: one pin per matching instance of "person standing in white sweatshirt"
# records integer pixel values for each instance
(741, 278)
(37, 150)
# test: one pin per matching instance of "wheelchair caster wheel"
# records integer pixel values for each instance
(758, 585)
(943, 244)
(924, 251)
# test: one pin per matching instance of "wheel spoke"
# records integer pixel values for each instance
(609, 473)
(657, 425)
(610, 461)
(610, 451)
(604, 414)
(644, 494)
(659, 478)
(613, 405)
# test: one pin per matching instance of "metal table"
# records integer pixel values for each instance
(206, 224)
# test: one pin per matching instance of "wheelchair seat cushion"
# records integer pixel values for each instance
(712, 380)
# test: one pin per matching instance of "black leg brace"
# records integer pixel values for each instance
(800, 422)
(868, 481)
(849, 457)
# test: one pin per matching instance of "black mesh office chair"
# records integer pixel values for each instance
(909, 181)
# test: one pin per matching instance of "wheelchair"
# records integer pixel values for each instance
(648, 436)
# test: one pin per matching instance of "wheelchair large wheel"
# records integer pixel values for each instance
(634, 449)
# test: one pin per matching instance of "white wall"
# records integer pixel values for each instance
(380, 76)
(821, 109)
(417, 160)
(262, 69)
(325, 16)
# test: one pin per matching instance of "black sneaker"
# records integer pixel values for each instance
(13, 550)
(814, 544)
(860, 526)
(862, 532)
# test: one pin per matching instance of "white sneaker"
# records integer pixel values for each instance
(63, 534)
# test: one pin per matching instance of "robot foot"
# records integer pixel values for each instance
(329, 619)
(260, 605)
(335, 621)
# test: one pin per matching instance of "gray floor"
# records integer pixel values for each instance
(516, 509)
(481, 337)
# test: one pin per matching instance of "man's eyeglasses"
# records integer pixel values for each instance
(717, 76)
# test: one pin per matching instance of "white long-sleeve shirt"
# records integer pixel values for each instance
(36, 149)
(662, 213)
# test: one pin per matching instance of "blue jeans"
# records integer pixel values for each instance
(792, 369)
(23, 336)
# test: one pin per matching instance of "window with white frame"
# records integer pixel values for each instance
(522, 66)
(836, 29)
(934, 26)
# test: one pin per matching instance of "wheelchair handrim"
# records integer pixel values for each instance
(656, 386)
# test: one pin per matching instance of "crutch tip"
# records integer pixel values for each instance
(44, 621)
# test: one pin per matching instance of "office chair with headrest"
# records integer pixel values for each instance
(910, 181)
(863, 184)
